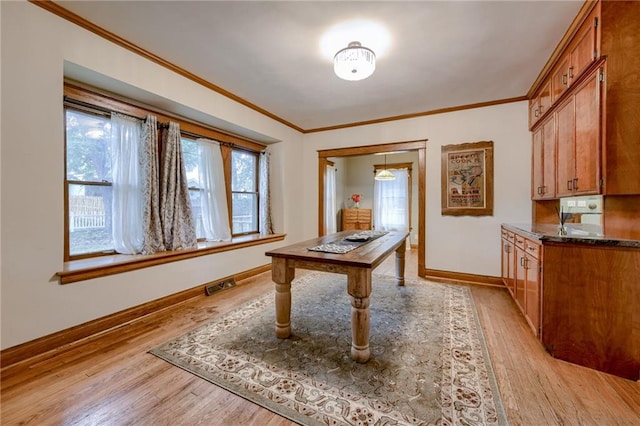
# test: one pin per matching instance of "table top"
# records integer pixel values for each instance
(368, 255)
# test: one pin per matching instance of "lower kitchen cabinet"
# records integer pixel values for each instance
(508, 265)
(522, 274)
(580, 296)
(591, 305)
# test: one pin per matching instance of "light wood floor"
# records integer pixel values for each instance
(111, 379)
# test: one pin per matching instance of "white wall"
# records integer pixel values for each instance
(35, 47)
(458, 244)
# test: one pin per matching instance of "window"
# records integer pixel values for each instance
(244, 192)
(191, 155)
(88, 182)
(94, 223)
(392, 201)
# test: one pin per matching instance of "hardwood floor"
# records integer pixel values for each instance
(111, 379)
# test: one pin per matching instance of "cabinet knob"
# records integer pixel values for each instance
(571, 71)
(564, 79)
(575, 184)
(570, 185)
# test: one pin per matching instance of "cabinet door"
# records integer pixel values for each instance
(587, 136)
(560, 78)
(537, 165)
(534, 111)
(520, 277)
(543, 164)
(532, 289)
(582, 51)
(508, 266)
(565, 164)
(544, 99)
(349, 219)
(549, 158)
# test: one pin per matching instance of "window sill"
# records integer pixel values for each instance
(96, 267)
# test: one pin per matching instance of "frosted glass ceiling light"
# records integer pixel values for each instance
(354, 62)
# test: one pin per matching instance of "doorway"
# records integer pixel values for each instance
(419, 146)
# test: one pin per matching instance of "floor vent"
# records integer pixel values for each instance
(211, 288)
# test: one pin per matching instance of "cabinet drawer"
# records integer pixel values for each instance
(364, 215)
(350, 215)
(532, 248)
(519, 241)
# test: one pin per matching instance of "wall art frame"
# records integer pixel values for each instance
(467, 179)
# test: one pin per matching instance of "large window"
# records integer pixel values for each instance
(88, 182)
(91, 207)
(244, 192)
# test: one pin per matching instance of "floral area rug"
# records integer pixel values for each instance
(428, 366)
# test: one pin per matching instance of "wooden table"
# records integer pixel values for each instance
(356, 265)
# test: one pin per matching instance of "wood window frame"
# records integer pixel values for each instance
(256, 191)
(85, 267)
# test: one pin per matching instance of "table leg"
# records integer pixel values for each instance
(282, 275)
(359, 287)
(400, 254)
(360, 329)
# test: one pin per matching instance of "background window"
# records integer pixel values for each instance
(244, 192)
(88, 182)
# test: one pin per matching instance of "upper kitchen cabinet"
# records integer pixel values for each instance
(584, 48)
(540, 104)
(620, 44)
(578, 133)
(543, 166)
(594, 91)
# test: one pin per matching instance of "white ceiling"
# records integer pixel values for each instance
(442, 54)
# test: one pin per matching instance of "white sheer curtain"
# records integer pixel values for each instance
(264, 193)
(391, 202)
(178, 226)
(151, 187)
(215, 211)
(127, 204)
(330, 209)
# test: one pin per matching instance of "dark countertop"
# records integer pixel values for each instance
(576, 234)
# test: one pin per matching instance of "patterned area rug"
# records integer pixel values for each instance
(428, 366)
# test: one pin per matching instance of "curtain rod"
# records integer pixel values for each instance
(97, 109)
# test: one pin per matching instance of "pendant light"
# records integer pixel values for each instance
(384, 174)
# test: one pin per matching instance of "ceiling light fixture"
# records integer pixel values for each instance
(384, 174)
(354, 62)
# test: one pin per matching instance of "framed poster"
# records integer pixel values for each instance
(467, 179)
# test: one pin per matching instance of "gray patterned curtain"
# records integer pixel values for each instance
(153, 240)
(178, 226)
(266, 223)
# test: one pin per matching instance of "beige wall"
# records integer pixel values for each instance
(458, 244)
(37, 46)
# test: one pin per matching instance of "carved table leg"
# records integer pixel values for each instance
(282, 275)
(359, 287)
(400, 253)
(360, 329)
